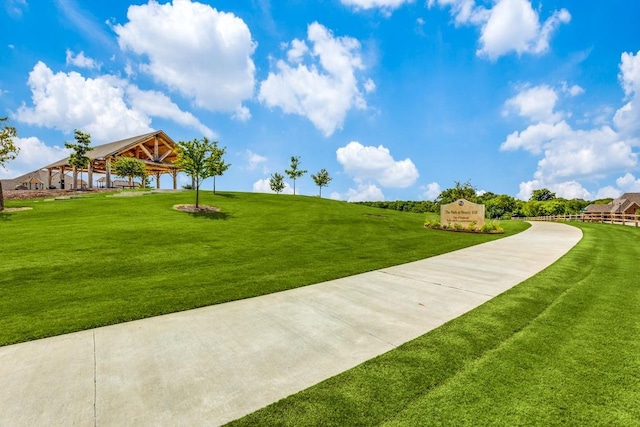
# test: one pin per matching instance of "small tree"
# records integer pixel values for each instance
(295, 173)
(217, 164)
(129, 167)
(8, 150)
(276, 183)
(195, 159)
(79, 159)
(322, 179)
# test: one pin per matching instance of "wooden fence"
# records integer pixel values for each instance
(609, 218)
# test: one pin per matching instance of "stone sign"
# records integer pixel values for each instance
(462, 212)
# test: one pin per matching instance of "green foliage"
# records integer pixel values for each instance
(78, 158)
(295, 173)
(542, 195)
(217, 163)
(405, 206)
(322, 179)
(140, 258)
(195, 158)
(276, 183)
(129, 167)
(460, 191)
(8, 149)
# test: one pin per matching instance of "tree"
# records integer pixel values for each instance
(8, 150)
(459, 191)
(276, 183)
(195, 159)
(129, 167)
(217, 164)
(295, 173)
(322, 179)
(542, 195)
(78, 159)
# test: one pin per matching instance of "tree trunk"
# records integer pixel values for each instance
(197, 196)
(321, 191)
(1, 198)
(214, 184)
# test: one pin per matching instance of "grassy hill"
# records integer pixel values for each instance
(75, 264)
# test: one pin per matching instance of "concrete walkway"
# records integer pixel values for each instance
(212, 365)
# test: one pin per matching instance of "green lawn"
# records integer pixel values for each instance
(562, 348)
(75, 264)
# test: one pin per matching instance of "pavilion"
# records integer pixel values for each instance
(155, 149)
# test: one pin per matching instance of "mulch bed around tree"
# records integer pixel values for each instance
(199, 209)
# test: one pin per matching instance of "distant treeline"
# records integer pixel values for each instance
(497, 206)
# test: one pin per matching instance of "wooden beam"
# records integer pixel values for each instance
(164, 156)
(155, 149)
(147, 152)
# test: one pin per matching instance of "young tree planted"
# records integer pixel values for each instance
(79, 159)
(195, 159)
(129, 167)
(276, 183)
(8, 150)
(322, 179)
(295, 173)
(217, 164)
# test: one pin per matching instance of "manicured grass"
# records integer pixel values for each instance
(562, 348)
(75, 264)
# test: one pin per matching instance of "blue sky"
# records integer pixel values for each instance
(397, 99)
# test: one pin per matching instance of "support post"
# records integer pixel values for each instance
(90, 174)
(62, 183)
(107, 167)
(158, 180)
(48, 178)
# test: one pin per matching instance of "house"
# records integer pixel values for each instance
(627, 204)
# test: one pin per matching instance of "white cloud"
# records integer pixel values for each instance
(33, 154)
(254, 159)
(628, 183)
(68, 101)
(385, 6)
(81, 61)
(157, 104)
(608, 192)
(376, 163)
(15, 7)
(325, 88)
(431, 191)
(365, 193)
(627, 118)
(195, 49)
(509, 26)
(262, 186)
(536, 103)
(573, 154)
(565, 189)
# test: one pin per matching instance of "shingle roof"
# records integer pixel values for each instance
(109, 149)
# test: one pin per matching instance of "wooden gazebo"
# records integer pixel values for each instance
(155, 149)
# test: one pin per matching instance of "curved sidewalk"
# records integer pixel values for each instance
(211, 365)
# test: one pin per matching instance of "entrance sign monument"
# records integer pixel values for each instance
(462, 212)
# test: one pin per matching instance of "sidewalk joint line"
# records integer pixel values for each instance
(436, 283)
